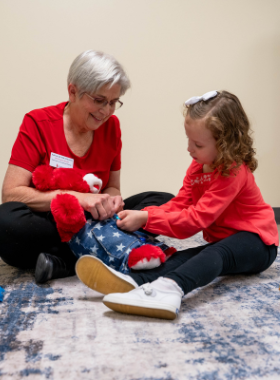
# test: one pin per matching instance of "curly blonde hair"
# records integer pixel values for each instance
(229, 124)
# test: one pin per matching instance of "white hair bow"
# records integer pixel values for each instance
(195, 99)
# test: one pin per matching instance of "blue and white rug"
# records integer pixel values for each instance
(229, 329)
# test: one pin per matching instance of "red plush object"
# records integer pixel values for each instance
(46, 178)
(69, 215)
(147, 252)
(67, 212)
(148, 256)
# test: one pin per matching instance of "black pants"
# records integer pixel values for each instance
(24, 234)
(242, 253)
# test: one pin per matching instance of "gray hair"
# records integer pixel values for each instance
(93, 69)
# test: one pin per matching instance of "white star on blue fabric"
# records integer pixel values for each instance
(128, 251)
(77, 240)
(94, 249)
(116, 234)
(111, 258)
(89, 221)
(120, 247)
(100, 237)
(89, 234)
(98, 226)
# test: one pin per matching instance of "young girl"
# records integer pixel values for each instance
(219, 196)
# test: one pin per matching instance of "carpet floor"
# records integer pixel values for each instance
(229, 329)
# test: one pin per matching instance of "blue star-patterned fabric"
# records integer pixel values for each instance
(104, 240)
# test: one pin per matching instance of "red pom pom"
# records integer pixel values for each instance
(68, 215)
(69, 179)
(42, 176)
(169, 251)
(146, 251)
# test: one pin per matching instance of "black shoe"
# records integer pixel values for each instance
(49, 267)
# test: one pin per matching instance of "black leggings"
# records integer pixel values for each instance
(242, 253)
(24, 234)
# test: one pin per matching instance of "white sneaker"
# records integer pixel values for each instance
(160, 299)
(98, 276)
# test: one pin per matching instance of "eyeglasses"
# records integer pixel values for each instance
(101, 102)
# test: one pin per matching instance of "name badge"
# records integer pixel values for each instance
(58, 161)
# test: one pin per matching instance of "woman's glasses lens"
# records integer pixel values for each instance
(114, 104)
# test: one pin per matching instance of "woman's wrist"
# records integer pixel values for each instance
(112, 191)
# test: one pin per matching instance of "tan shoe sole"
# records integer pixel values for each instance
(94, 274)
(138, 310)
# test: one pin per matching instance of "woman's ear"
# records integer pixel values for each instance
(73, 92)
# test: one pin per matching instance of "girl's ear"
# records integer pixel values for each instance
(73, 92)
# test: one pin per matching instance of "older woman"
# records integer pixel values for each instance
(85, 133)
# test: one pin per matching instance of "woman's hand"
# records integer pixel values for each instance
(113, 189)
(118, 203)
(132, 220)
(100, 206)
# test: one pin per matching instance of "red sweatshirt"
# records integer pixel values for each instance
(219, 206)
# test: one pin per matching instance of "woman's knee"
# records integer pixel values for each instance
(11, 210)
(148, 198)
(11, 214)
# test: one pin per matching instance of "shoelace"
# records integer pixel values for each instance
(148, 290)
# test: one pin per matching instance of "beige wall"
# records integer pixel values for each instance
(172, 50)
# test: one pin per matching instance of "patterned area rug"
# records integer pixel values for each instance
(229, 329)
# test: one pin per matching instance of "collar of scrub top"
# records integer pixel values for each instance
(195, 99)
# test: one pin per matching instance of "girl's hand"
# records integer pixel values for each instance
(132, 220)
